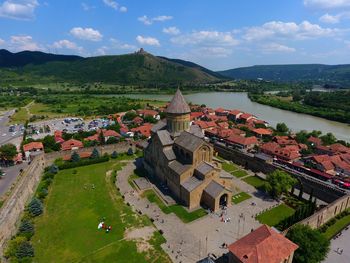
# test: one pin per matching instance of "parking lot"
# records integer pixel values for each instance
(39, 130)
(7, 132)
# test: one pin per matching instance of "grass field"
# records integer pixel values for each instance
(179, 210)
(21, 116)
(229, 167)
(254, 181)
(239, 173)
(275, 215)
(238, 198)
(77, 202)
(338, 226)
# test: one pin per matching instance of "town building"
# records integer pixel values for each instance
(72, 144)
(32, 148)
(179, 158)
(263, 245)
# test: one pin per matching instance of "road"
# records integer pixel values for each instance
(11, 174)
(341, 242)
(5, 135)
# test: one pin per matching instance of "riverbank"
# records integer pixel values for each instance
(327, 113)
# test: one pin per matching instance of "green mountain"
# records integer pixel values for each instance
(317, 73)
(140, 68)
(20, 59)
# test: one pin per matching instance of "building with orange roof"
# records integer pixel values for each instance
(263, 245)
(262, 132)
(196, 115)
(243, 143)
(144, 130)
(288, 153)
(32, 148)
(72, 144)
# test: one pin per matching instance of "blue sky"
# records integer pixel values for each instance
(217, 34)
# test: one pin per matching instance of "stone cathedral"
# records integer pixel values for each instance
(178, 156)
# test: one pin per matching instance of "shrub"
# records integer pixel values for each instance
(53, 169)
(43, 193)
(13, 246)
(69, 165)
(25, 249)
(75, 157)
(95, 154)
(35, 207)
(114, 155)
(130, 151)
(26, 229)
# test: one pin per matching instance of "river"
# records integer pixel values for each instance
(239, 100)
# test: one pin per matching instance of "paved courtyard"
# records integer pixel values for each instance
(193, 241)
(341, 242)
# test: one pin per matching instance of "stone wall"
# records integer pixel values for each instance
(13, 207)
(25, 187)
(319, 189)
(325, 214)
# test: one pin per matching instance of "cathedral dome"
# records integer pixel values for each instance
(178, 104)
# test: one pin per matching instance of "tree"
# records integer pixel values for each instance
(8, 152)
(101, 138)
(112, 140)
(75, 157)
(313, 246)
(35, 207)
(26, 229)
(279, 182)
(282, 127)
(53, 169)
(50, 143)
(95, 154)
(328, 139)
(25, 249)
(114, 155)
(302, 136)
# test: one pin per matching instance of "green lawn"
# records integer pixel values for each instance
(275, 215)
(179, 210)
(238, 198)
(254, 181)
(239, 173)
(338, 226)
(20, 116)
(67, 231)
(229, 167)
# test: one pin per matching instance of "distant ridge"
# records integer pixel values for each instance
(140, 68)
(20, 59)
(318, 73)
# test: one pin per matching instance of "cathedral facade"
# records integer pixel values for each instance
(178, 157)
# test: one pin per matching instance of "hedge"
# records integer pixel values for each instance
(69, 165)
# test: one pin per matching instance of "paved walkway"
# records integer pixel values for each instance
(193, 241)
(341, 242)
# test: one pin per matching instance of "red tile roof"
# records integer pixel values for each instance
(196, 115)
(68, 145)
(339, 148)
(262, 131)
(147, 112)
(145, 129)
(33, 146)
(288, 153)
(264, 245)
(137, 120)
(110, 133)
(83, 155)
(205, 124)
(242, 140)
(235, 112)
(315, 140)
(246, 116)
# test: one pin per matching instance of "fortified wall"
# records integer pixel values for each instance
(26, 185)
(318, 189)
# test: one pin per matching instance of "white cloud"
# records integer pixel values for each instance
(208, 38)
(87, 7)
(19, 43)
(111, 3)
(151, 41)
(86, 34)
(275, 47)
(123, 9)
(149, 21)
(2, 42)
(66, 44)
(173, 30)
(329, 19)
(289, 30)
(217, 52)
(334, 19)
(115, 5)
(119, 45)
(18, 9)
(327, 4)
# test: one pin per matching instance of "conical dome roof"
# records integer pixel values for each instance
(178, 104)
